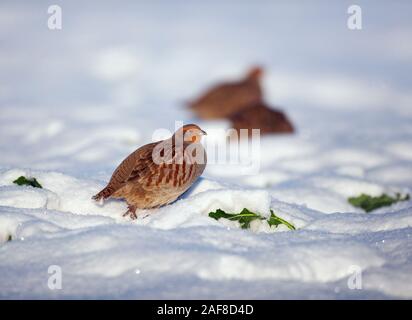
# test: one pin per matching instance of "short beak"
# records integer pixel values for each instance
(204, 132)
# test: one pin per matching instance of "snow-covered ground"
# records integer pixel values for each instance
(74, 102)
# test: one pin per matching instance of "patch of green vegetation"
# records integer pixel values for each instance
(245, 217)
(274, 220)
(9, 238)
(369, 203)
(23, 181)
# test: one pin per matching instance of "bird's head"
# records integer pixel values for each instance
(191, 133)
(255, 73)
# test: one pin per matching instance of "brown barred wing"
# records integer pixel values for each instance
(130, 169)
(174, 175)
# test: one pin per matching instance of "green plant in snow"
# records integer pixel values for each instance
(23, 181)
(245, 217)
(369, 203)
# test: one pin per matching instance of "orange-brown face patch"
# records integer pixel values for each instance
(192, 137)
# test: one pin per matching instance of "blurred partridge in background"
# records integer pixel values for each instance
(261, 117)
(242, 103)
(156, 174)
(226, 98)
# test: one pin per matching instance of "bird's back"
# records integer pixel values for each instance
(146, 183)
(225, 99)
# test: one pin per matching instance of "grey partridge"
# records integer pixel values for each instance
(156, 174)
(260, 116)
(224, 99)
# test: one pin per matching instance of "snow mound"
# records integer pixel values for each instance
(65, 194)
(61, 225)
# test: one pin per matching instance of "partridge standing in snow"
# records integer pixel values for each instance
(158, 173)
(228, 98)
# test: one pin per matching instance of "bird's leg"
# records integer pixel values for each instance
(131, 211)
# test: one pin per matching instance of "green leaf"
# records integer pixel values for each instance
(369, 203)
(274, 220)
(219, 214)
(245, 217)
(23, 181)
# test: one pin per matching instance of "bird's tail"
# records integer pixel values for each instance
(103, 195)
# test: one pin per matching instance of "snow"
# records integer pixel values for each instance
(75, 102)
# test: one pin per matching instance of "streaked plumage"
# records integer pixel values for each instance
(156, 174)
